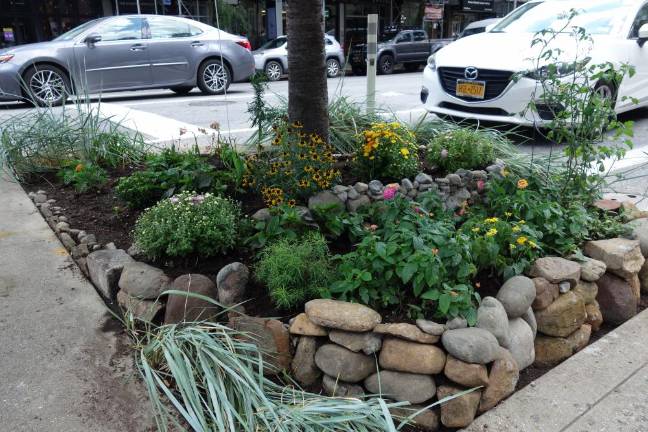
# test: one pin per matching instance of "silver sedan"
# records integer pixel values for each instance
(128, 52)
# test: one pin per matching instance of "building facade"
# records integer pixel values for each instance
(25, 21)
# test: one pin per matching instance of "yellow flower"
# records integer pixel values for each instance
(532, 245)
(476, 229)
(522, 184)
(504, 172)
(405, 152)
(512, 246)
(491, 232)
(521, 240)
(291, 203)
(521, 222)
(516, 229)
(508, 214)
(491, 220)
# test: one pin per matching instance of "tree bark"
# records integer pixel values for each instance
(307, 88)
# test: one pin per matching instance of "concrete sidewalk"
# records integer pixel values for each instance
(62, 368)
(602, 388)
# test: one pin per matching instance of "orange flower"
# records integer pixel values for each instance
(522, 184)
(78, 168)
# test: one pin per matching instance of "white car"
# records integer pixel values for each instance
(473, 77)
(272, 57)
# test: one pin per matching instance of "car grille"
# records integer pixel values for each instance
(496, 81)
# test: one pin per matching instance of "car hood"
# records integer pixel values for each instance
(39, 46)
(493, 50)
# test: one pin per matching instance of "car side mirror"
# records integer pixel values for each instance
(92, 39)
(642, 35)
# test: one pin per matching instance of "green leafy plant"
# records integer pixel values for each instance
(461, 148)
(409, 255)
(577, 114)
(188, 224)
(295, 270)
(167, 173)
(389, 152)
(282, 222)
(296, 166)
(83, 176)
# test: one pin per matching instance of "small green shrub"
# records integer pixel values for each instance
(461, 148)
(188, 224)
(389, 152)
(82, 176)
(283, 222)
(165, 174)
(295, 270)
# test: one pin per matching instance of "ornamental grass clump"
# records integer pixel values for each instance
(389, 152)
(461, 148)
(295, 270)
(188, 224)
(295, 167)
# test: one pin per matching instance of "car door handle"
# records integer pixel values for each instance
(138, 47)
(196, 44)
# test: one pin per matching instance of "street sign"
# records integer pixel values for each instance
(478, 5)
(433, 12)
(8, 34)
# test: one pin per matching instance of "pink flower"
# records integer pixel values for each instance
(390, 191)
(174, 200)
(480, 185)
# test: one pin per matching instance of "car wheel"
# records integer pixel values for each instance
(358, 71)
(213, 77)
(386, 64)
(273, 70)
(181, 90)
(606, 91)
(411, 67)
(46, 85)
(332, 68)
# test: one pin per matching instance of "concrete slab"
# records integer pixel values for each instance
(598, 386)
(63, 364)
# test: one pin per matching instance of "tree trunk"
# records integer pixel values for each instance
(307, 89)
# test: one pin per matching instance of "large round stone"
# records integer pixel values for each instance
(341, 363)
(231, 282)
(591, 269)
(342, 315)
(521, 347)
(460, 411)
(516, 295)
(368, 342)
(401, 386)
(427, 419)
(301, 325)
(472, 345)
(504, 376)
(563, 316)
(616, 298)
(491, 316)
(303, 364)
(143, 281)
(404, 356)
(334, 387)
(622, 256)
(181, 308)
(466, 374)
(270, 336)
(406, 331)
(551, 350)
(556, 270)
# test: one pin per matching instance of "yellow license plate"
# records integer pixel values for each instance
(472, 89)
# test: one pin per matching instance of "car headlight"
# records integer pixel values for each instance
(431, 63)
(4, 58)
(558, 70)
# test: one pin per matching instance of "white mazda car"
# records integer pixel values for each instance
(479, 77)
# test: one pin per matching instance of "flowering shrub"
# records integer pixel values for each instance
(295, 270)
(461, 148)
(389, 151)
(506, 245)
(409, 255)
(188, 224)
(297, 166)
(83, 176)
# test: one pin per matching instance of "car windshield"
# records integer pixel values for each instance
(596, 17)
(76, 31)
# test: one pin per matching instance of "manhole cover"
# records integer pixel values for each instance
(211, 103)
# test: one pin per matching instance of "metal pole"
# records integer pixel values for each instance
(279, 17)
(155, 3)
(179, 7)
(372, 47)
(139, 10)
(117, 7)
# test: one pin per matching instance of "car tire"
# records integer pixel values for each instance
(359, 71)
(411, 67)
(181, 90)
(607, 91)
(273, 70)
(386, 64)
(333, 68)
(214, 77)
(46, 85)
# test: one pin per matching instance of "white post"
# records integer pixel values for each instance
(279, 17)
(372, 47)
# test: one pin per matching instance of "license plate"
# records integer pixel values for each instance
(472, 89)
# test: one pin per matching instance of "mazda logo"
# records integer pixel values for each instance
(471, 73)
